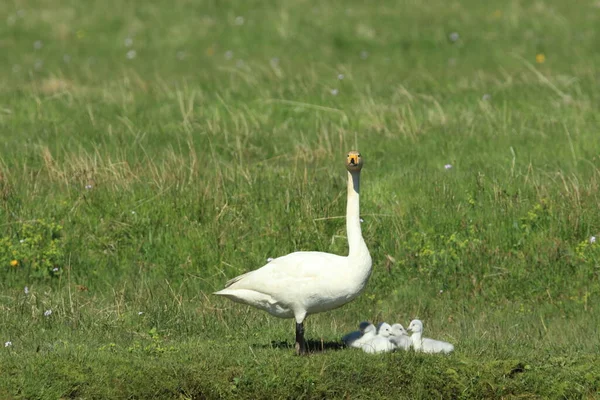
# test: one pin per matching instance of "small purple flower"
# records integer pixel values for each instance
(454, 36)
(341, 77)
(334, 92)
(448, 166)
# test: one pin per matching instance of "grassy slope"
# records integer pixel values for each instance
(203, 165)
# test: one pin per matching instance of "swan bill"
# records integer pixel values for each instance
(354, 161)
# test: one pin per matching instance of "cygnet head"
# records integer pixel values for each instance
(398, 330)
(385, 330)
(369, 329)
(363, 325)
(354, 161)
(416, 326)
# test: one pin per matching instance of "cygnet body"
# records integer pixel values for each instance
(400, 337)
(366, 332)
(426, 345)
(381, 342)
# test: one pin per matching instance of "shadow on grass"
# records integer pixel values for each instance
(314, 346)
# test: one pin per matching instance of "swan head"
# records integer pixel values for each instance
(416, 326)
(354, 161)
(398, 330)
(385, 329)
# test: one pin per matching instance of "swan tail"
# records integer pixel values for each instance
(236, 279)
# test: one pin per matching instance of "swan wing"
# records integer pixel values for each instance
(290, 269)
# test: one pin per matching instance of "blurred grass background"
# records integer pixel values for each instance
(151, 150)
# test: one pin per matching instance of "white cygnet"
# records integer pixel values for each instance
(366, 332)
(400, 337)
(426, 345)
(381, 342)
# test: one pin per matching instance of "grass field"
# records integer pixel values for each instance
(152, 150)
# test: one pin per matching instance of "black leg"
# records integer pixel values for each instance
(300, 344)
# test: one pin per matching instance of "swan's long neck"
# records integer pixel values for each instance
(417, 340)
(356, 243)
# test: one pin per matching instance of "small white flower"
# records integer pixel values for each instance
(364, 54)
(486, 97)
(454, 36)
(22, 241)
(38, 44)
(26, 290)
(270, 259)
(55, 269)
(228, 55)
(38, 64)
(593, 239)
(362, 220)
(66, 58)
(131, 54)
(441, 291)
(88, 187)
(334, 92)
(448, 166)
(340, 76)
(128, 42)
(239, 20)
(132, 212)
(8, 344)
(181, 55)
(47, 313)
(140, 312)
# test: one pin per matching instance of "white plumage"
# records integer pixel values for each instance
(381, 342)
(366, 332)
(426, 345)
(400, 337)
(304, 283)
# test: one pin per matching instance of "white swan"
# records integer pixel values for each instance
(400, 337)
(381, 342)
(426, 345)
(366, 332)
(304, 283)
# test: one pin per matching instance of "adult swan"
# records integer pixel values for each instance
(310, 282)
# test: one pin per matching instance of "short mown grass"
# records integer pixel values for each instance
(151, 151)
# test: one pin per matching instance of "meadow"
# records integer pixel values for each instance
(150, 151)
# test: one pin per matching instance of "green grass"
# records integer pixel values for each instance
(220, 144)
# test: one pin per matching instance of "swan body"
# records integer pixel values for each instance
(381, 343)
(358, 338)
(400, 337)
(427, 345)
(307, 282)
